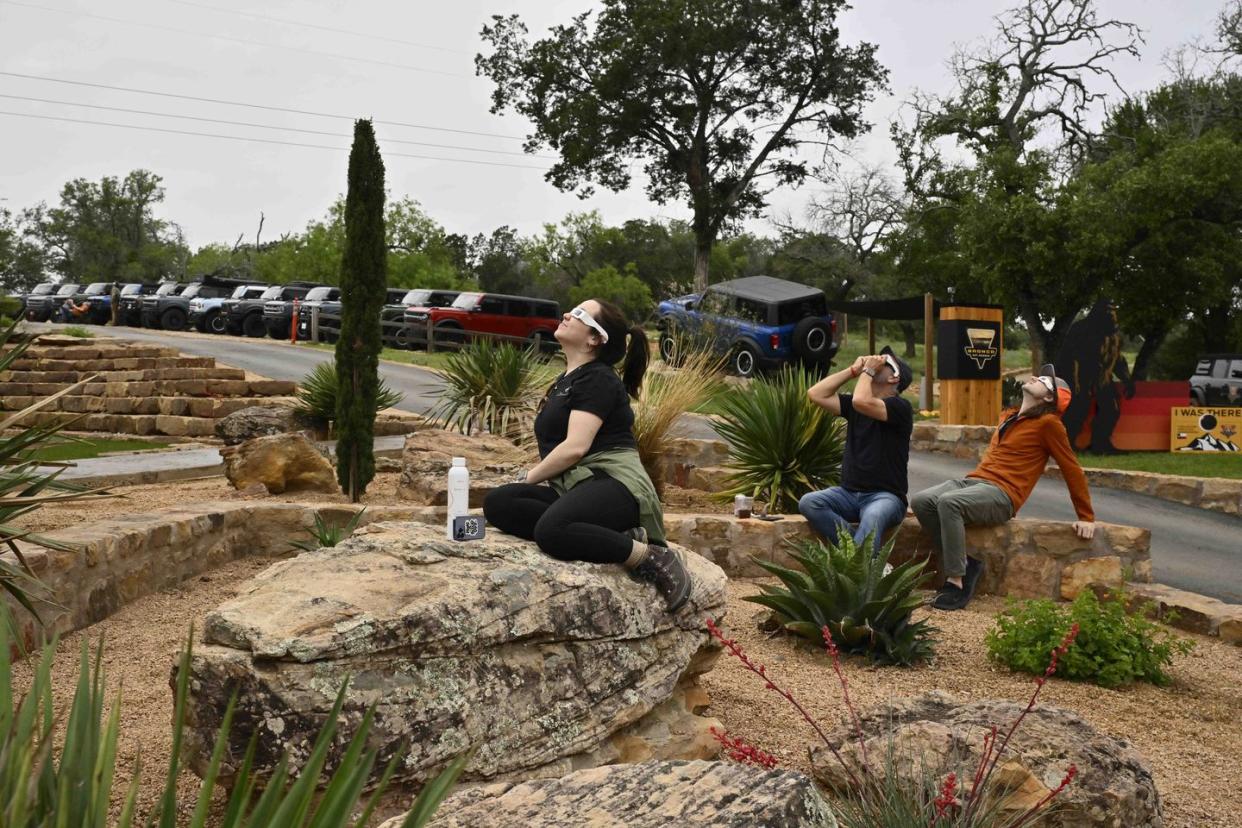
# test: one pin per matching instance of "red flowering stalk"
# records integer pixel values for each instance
(946, 800)
(742, 752)
(1030, 813)
(992, 758)
(758, 669)
(835, 654)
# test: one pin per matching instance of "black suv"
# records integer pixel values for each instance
(45, 306)
(244, 317)
(760, 322)
(330, 317)
(41, 289)
(278, 313)
(207, 313)
(172, 312)
(1217, 380)
(131, 299)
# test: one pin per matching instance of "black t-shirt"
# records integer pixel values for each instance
(594, 387)
(877, 452)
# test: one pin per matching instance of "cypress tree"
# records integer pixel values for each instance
(364, 279)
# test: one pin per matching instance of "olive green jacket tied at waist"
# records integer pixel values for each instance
(624, 466)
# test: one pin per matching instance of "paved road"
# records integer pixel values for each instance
(1191, 549)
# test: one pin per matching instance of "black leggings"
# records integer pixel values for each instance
(587, 523)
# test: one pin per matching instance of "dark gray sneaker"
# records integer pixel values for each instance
(665, 569)
(951, 597)
(974, 571)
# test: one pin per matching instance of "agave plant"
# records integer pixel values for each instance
(73, 787)
(327, 534)
(843, 586)
(781, 445)
(317, 394)
(493, 388)
(25, 482)
(665, 397)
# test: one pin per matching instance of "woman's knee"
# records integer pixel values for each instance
(499, 505)
(552, 538)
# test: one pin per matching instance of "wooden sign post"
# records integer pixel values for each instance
(970, 341)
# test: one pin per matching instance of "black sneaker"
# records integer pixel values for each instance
(665, 569)
(951, 597)
(974, 571)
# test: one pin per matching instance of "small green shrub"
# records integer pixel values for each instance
(327, 534)
(317, 394)
(78, 331)
(843, 587)
(781, 445)
(1114, 648)
(494, 388)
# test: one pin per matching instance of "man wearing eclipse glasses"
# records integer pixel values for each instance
(877, 450)
(995, 491)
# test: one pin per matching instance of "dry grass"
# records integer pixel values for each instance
(665, 397)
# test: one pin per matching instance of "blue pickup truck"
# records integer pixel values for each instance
(762, 324)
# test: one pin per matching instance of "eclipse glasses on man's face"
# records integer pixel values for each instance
(585, 318)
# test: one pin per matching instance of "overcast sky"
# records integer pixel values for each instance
(371, 58)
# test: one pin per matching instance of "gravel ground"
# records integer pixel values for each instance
(1190, 732)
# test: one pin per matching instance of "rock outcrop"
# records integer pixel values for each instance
(544, 667)
(1113, 786)
(427, 454)
(281, 462)
(259, 421)
(646, 795)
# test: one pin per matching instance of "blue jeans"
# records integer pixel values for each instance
(874, 512)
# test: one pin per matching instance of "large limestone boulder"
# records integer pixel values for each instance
(646, 795)
(280, 462)
(1114, 786)
(259, 421)
(544, 666)
(427, 455)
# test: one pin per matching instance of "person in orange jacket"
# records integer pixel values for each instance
(995, 491)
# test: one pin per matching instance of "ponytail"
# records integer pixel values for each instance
(636, 356)
(635, 353)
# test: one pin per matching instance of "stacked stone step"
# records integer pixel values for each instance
(137, 389)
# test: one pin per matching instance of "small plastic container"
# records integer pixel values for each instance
(743, 505)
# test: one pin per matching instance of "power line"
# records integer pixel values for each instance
(260, 126)
(251, 105)
(287, 22)
(263, 140)
(244, 41)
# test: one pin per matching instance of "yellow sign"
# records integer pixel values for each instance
(1205, 429)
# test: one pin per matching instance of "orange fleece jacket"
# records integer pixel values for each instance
(1016, 462)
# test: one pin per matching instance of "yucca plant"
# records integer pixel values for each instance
(843, 587)
(781, 445)
(27, 483)
(72, 787)
(665, 397)
(492, 387)
(317, 395)
(327, 534)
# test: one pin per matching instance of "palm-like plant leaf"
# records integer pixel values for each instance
(843, 587)
(493, 388)
(317, 394)
(780, 443)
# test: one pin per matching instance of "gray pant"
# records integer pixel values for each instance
(944, 510)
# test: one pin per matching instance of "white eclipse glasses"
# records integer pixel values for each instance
(588, 320)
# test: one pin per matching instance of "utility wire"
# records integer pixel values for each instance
(250, 105)
(288, 22)
(262, 126)
(241, 40)
(263, 140)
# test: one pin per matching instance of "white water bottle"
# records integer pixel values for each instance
(458, 492)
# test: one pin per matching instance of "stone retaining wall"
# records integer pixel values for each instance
(1025, 558)
(971, 442)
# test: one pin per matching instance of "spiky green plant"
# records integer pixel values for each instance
(843, 586)
(327, 534)
(781, 445)
(317, 395)
(26, 483)
(491, 387)
(42, 786)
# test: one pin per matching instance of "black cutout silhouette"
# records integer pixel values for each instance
(1090, 361)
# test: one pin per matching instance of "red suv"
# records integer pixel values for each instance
(520, 317)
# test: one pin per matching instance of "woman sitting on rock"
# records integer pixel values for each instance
(599, 505)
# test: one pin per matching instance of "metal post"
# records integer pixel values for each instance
(314, 332)
(926, 398)
(293, 324)
(431, 342)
